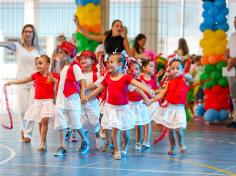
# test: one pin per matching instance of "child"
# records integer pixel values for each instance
(151, 80)
(42, 108)
(91, 110)
(173, 114)
(117, 114)
(135, 98)
(68, 106)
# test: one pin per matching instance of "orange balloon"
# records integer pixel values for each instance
(204, 60)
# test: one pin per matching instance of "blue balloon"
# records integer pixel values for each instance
(211, 115)
(209, 22)
(224, 27)
(224, 11)
(205, 14)
(207, 5)
(223, 115)
(220, 3)
(213, 11)
(221, 19)
(200, 110)
(85, 2)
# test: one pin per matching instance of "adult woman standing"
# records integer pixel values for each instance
(114, 40)
(25, 51)
(182, 50)
(138, 49)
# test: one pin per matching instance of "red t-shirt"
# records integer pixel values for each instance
(134, 96)
(117, 91)
(177, 91)
(43, 88)
(152, 83)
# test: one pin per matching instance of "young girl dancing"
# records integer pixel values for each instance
(116, 112)
(42, 108)
(172, 115)
(136, 98)
(151, 81)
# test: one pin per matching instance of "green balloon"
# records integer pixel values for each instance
(204, 76)
(223, 82)
(188, 114)
(220, 65)
(209, 84)
(209, 68)
(78, 36)
(83, 43)
(215, 75)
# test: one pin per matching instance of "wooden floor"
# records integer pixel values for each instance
(211, 151)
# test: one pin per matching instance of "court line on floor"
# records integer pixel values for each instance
(114, 169)
(12, 154)
(195, 163)
(224, 169)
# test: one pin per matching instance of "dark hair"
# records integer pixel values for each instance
(183, 46)
(145, 62)
(178, 60)
(45, 57)
(136, 40)
(109, 33)
(197, 58)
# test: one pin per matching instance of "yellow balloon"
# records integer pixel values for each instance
(220, 34)
(208, 34)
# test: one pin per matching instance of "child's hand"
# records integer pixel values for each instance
(84, 99)
(152, 93)
(147, 102)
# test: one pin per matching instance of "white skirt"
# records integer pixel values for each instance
(40, 109)
(120, 117)
(153, 108)
(142, 113)
(173, 116)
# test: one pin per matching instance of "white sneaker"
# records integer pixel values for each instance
(123, 152)
(138, 146)
(99, 143)
(146, 144)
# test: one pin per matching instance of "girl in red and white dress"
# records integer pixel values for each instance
(117, 114)
(42, 109)
(172, 115)
(91, 110)
(136, 97)
(151, 80)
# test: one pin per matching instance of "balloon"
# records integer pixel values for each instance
(85, 2)
(199, 111)
(209, 21)
(82, 42)
(211, 115)
(221, 19)
(203, 27)
(207, 5)
(215, 75)
(213, 59)
(220, 34)
(219, 49)
(212, 11)
(220, 65)
(223, 82)
(207, 34)
(204, 76)
(219, 3)
(223, 115)
(224, 26)
(224, 11)
(209, 84)
(209, 68)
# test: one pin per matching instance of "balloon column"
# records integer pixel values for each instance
(89, 14)
(213, 45)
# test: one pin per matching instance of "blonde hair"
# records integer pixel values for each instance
(35, 40)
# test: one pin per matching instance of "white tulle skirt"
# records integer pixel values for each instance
(142, 113)
(40, 109)
(172, 116)
(120, 117)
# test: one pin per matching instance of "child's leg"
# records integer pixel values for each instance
(180, 137)
(107, 140)
(44, 129)
(149, 132)
(116, 139)
(172, 142)
(61, 138)
(145, 129)
(139, 130)
(126, 138)
(82, 135)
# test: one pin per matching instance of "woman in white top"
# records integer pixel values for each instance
(25, 51)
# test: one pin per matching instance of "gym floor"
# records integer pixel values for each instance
(211, 151)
